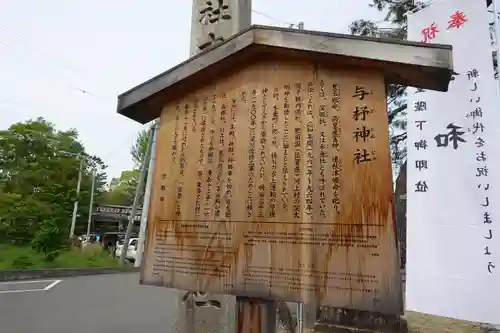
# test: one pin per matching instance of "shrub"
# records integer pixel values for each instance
(22, 261)
(49, 240)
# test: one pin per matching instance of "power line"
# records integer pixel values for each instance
(62, 63)
(67, 65)
(59, 61)
(273, 18)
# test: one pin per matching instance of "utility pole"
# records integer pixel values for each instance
(78, 184)
(75, 205)
(138, 191)
(147, 196)
(91, 205)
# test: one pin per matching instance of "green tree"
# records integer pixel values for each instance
(20, 216)
(38, 180)
(123, 190)
(140, 147)
(49, 239)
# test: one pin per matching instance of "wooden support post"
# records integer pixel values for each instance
(254, 315)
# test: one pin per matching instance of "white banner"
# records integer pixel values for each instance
(453, 207)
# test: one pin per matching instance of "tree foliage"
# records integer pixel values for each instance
(122, 189)
(38, 182)
(49, 239)
(140, 147)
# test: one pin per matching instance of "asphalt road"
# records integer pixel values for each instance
(113, 303)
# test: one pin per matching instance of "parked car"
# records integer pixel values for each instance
(131, 251)
(94, 238)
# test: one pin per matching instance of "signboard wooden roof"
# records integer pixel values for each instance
(408, 63)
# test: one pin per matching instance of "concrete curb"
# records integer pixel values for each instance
(31, 274)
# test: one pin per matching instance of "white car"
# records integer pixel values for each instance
(131, 251)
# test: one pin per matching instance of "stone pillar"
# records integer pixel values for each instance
(214, 21)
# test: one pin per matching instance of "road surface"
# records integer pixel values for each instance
(113, 303)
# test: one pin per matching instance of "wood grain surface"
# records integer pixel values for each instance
(275, 182)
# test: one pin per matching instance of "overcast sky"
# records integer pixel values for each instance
(67, 60)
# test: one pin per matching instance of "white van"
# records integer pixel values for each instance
(131, 251)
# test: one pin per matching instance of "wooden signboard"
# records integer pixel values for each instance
(275, 182)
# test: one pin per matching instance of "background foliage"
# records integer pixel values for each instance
(122, 189)
(38, 183)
